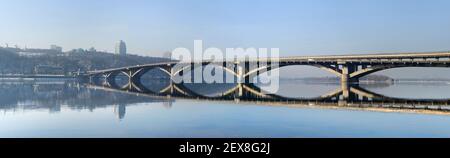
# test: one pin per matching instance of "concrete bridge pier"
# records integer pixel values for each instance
(347, 94)
(92, 79)
(348, 69)
(110, 79)
(134, 76)
(241, 69)
(345, 90)
(240, 90)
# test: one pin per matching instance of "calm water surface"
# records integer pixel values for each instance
(68, 109)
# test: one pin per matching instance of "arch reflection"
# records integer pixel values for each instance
(347, 95)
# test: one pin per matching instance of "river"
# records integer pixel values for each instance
(59, 109)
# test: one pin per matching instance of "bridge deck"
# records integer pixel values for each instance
(378, 56)
(361, 58)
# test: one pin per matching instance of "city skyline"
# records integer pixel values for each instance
(306, 71)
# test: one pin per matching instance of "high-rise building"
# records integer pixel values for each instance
(121, 48)
(120, 111)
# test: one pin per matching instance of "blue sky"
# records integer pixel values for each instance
(297, 27)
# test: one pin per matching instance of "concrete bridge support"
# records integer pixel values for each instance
(240, 70)
(347, 93)
(134, 75)
(347, 70)
(110, 79)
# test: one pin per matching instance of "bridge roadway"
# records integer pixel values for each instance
(348, 67)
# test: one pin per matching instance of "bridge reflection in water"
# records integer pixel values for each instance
(347, 95)
(349, 68)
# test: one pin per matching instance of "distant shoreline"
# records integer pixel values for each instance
(31, 76)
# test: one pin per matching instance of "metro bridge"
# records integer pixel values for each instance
(348, 67)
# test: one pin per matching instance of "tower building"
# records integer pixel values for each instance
(121, 48)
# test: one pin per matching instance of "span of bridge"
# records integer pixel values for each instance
(350, 68)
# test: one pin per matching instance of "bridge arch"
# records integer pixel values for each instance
(377, 68)
(145, 70)
(370, 70)
(164, 70)
(268, 68)
(190, 67)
